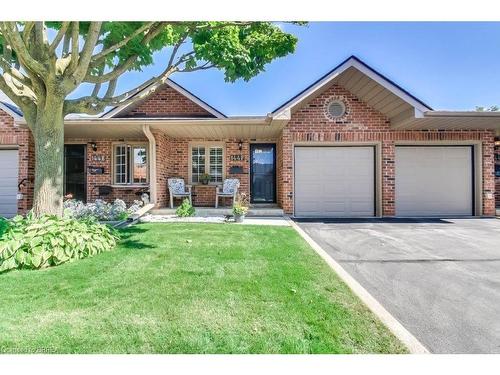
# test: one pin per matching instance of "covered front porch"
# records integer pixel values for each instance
(246, 149)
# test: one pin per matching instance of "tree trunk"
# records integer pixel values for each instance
(48, 134)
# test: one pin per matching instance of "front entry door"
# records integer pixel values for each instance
(263, 173)
(74, 172)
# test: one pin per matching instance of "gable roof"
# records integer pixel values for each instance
(11, 109)
(352, 66)
(116, 111)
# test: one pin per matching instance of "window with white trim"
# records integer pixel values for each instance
(207, 159)
(130, 164)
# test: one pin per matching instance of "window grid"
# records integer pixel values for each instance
(198, 163)
(121, 164)
(207, 160)
(216, 164)
(130, 164)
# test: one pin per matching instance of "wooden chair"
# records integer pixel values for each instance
(228, 190)
(177, 189)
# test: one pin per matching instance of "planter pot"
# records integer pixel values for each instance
(239, 218)
(204, 182)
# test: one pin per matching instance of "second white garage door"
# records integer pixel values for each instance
(334, 181)
(434, 181)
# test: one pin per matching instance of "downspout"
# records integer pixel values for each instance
(152, 163)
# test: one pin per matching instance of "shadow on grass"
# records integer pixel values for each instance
(126, 235)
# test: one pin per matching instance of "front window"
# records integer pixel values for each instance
(130, 164)
(207, 159)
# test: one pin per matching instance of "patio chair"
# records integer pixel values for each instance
(177, 189)
(228, 190)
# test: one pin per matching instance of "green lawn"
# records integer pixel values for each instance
(190, 288)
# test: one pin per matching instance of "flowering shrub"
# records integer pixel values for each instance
(100, 209)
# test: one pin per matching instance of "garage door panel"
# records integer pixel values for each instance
(334, 181)
(8, 182)
(433, 181)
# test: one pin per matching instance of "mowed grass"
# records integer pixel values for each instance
(190, 288)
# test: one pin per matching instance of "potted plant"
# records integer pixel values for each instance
(240, 208)
(205, 178)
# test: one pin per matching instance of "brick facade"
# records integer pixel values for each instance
(497, 178)
(311, 125)
(172, 161)
(167, 102)
(103, 158)
(20, 138)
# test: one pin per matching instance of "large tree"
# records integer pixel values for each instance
(42, 63)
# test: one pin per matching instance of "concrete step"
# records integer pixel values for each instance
(223, 211)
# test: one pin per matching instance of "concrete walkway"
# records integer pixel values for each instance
(252, 220)
(439, 278)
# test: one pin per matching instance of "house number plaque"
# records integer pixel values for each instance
(236, 157)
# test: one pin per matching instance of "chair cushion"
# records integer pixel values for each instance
(230, 186)
(176, 186)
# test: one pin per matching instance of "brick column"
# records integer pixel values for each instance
(285, 188)
(489, 174)
(162, 169)
(388, 179)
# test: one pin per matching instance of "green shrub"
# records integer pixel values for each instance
(30, 242)
(185, 209)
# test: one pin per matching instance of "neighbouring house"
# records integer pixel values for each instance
(353, 144)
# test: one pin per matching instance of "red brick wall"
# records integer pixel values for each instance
(497, 179)
(12, 135)
(364, 124)
(175, 163)
(167, 102)
(104, 150)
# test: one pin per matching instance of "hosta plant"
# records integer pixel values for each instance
(30, 242)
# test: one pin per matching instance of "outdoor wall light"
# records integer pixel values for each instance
(240, 145)
(94, 146)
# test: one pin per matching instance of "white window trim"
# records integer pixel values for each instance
(207, 146)
(113, 164)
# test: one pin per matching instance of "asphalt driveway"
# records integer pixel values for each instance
(439, 278)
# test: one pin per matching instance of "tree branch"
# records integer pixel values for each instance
(28, 26)
(95, 105)
(87, 50)
(60, 35)
(125, 65)
(123, 42)
(75, 47)
(8, 68)
(13, 37)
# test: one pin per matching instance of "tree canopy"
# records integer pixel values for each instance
(42, 63)
(99, 53)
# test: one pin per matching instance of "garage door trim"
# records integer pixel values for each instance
(473, 146)
(377, 187)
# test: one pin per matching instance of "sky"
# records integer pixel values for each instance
(449, 66)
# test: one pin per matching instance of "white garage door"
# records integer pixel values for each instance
(434, 181)
(8, 182)
(334, 181)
